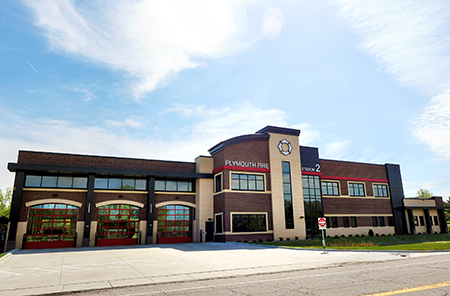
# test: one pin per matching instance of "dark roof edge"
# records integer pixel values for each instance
(13, 167)
(357, 162)
(236, 140)
(105, 156)
(279, 130)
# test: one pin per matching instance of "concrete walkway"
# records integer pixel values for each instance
(34, 272)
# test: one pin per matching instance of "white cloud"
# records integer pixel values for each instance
(335, 150)
(149, 40)
(433, 124)
(203, 129)
(411, 41)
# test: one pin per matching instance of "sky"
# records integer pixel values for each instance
(365, 81)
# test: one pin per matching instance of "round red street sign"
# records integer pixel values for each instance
(322, 222)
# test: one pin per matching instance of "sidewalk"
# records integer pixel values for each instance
(34, 272)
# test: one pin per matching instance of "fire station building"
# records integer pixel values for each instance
(263, 186)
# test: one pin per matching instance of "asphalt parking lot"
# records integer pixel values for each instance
(32, 272)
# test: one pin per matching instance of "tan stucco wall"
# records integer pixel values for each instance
(92, 233)
(276, 175)
(80, 233)
(143, 230)
(409, 202)
(204, 201)
(21, 230)
(360, 231)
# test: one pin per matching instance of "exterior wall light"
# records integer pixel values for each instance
(302, 217)
(55, 194)
(121, 195)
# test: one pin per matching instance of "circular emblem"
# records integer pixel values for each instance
(285, 147)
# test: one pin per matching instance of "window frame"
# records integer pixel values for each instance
(249, 213)
(334, 222)
(218, 176)
(216, 217)
(374, 221)
(357, 183)
(381, 221)
(355, 220)
(346, 222)
(330, 182)
(56, 178)
(239, 173)
(376, 189)
(176, 181)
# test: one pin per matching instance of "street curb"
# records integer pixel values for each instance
(8, 254)
(363, 251)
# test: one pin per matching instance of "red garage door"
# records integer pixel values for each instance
(174, 224)
(51, 226)
(117, 225)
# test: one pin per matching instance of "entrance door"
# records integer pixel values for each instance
(174, 224)
(209, 226)
(51, 226)
(117, 225)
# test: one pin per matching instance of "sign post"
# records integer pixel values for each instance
(322, 226)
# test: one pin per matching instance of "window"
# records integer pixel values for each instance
(174, 185)
(380, 190)
(56, 181)
(422, 221)
(218, 183)
(353, 222)
(312, 200)
(288, 207)
(346, 222)
(330, 188)
(381, 221)
(334, 222)
(436, 221)
(391, 221)
(356, 189)
(247, 182)
(219, 223)
(375, 221)
(416, 221)
(249, 222)
(117, 183)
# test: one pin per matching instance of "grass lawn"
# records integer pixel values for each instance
(394, 242)
(1, 255)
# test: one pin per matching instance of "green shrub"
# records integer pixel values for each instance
(296, 238)
(281, 239)
(371, 232)
(288, 239)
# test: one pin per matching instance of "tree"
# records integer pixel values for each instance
(5, 202)
(424, 193)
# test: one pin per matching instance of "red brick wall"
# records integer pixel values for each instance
(103, 162)
(352, 169)
(28, 196)
(353, 205)
(242, 202)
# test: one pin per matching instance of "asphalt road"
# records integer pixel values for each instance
(428, 275)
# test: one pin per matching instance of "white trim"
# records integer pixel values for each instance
(53, 200)
(120, 201)
(175, 202)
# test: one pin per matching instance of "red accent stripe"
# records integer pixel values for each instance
(354, 179)
(235, 168)
(312, 173)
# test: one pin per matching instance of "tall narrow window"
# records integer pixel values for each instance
(288, 207)
(218, 182)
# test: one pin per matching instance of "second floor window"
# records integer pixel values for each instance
(247, 182)
(356, 189)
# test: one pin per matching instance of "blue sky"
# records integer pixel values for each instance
(364, 80)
